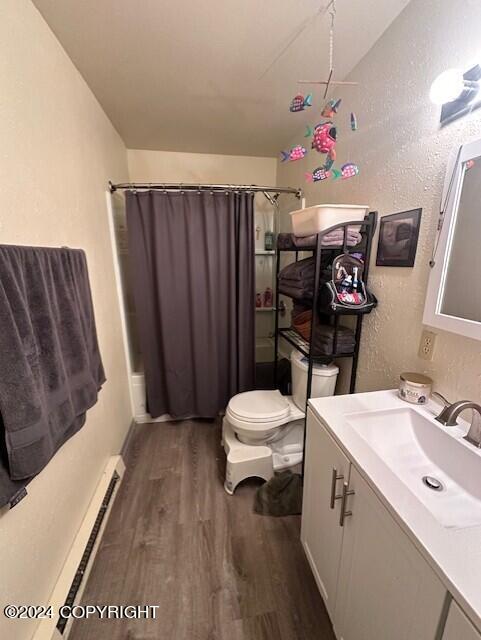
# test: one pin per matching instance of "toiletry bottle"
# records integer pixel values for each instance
(354, 282)
(269, 240)
(268, 297)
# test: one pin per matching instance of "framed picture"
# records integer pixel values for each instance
(398, 239)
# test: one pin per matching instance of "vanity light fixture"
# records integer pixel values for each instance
(447, 86)
(456, 91)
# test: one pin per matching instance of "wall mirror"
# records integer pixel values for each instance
(453, 300)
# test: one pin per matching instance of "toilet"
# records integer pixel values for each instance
(263, 431)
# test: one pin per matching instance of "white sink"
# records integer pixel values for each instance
(414, 445)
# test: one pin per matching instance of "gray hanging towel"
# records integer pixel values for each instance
(50, 365)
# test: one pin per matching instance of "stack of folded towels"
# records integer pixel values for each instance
(297, 279)
(324, 334)
(334, 238)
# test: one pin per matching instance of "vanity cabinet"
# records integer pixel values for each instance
(458, 627)
(326, 470)
(386, 589)
(372, 578)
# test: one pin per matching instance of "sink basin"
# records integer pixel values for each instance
(439, 468)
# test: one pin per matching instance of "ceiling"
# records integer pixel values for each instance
(180, 75)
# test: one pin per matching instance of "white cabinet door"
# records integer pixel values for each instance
(386, 590)
(321, 534)
(458, 627)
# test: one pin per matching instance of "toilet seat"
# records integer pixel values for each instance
(259, 406)
(257, 415)
(260, 412)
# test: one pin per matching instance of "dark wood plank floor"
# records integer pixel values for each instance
(176, 539)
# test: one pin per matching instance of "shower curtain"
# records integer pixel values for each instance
(193, 273)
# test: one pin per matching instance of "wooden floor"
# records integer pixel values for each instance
(176, 539)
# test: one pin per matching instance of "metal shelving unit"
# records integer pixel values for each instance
(368, 227)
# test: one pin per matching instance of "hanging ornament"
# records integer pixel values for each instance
(324, 141)
(349, 170)
(331, 108)
(296, 153)
(318, 174)
(299, 103)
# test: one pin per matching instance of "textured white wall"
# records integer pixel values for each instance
(402, 153)
(58, 150)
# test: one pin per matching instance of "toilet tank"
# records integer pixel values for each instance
(324, 379)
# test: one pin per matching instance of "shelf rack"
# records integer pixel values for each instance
(368, 227)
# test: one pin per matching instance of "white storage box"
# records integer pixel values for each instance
(307, 222)
(324, 379)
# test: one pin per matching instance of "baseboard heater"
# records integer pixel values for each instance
(79, 574)
(70, 584)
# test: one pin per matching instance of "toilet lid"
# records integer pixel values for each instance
(259, 406)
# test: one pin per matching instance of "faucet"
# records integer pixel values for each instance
(450, 412)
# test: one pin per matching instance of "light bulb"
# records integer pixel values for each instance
(447, 86)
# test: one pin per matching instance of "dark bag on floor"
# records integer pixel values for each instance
(280, 496)
(346, 292)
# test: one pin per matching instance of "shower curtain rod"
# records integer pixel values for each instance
(179, 186)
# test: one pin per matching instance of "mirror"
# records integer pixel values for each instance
(462, 287)
(453, 300)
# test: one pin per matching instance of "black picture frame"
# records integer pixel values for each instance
(398, 239)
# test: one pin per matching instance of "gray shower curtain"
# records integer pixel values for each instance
(193, 274)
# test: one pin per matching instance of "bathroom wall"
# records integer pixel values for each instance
(170, 166)
(402, 153)
(58, 150)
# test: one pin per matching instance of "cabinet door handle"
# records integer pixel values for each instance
(345, 492)
(334, 479)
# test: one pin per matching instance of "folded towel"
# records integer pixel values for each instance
(297, 279)
(51, 366)
(302, 270)
(296, 292)
(332, 239)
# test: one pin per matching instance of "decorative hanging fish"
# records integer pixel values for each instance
(349, 170)
(331, 108)
(299, 103)
(353, 122)
(318, 174)
(296, 153)
(324, 139)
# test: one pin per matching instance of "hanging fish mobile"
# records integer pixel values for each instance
(318, 174)
(348, 170)
(296, 153)
(299, 103)
(331, 108)
(324, 140)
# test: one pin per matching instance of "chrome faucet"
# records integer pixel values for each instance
(449, 414)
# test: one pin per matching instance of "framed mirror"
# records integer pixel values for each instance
(453, 300)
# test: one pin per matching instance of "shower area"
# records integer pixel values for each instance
(271, 210)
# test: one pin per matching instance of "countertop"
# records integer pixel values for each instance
(454, 554)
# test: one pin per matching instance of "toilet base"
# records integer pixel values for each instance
(261, 461)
